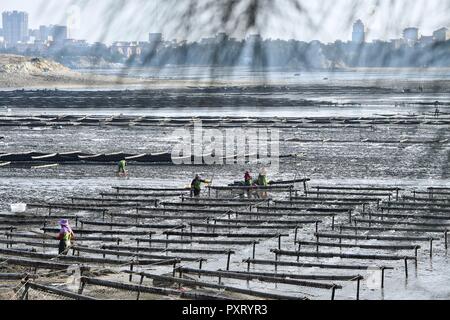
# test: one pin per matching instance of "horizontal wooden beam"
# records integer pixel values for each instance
(148, 289)
(372, 237)
(313, 265)
(58, 291)
(263, 278)
(218, 286)
(340, 255)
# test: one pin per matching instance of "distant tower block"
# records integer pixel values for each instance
(411, 35)
(359, 33)
(59, 33)
(441, 35)
(15, 27)
(155, 38)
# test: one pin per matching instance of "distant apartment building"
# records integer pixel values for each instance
(426, 40)
(411, 35)
(218, 39)
(208, 41)
(254, 39)
(222, 37)
(45, 33)
(126, 49)
(443, 34)
(15, 27)
(54, 33)
(70, 47)
(36, 47)
(40, 46)
(359, 32)
(397, 43)
(155, 38)
(59, 33)
(34, 33)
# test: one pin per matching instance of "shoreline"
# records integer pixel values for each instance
(25, 73)
(92, 81)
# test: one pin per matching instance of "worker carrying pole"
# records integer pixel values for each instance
(65, 237)
(196, 185)
(122, 168)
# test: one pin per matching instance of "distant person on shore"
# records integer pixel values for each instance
(122, 170)
(196, 186)
(65, 237)
(436, 112)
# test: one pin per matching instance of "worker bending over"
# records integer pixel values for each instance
(122, 170)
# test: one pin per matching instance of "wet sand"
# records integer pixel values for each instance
(349, 160)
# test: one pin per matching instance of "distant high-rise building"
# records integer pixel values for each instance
(411, 34)
(155, 37)
(443, 34)
(208, 41)
(15, 27)
(254, 38)
(59, 33)
(55, 33)
(221, 37)
(426, 40)
(397, 43)
(359, 32)
(34, 33)
(44, 33)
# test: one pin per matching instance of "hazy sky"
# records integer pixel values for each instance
(325, 20)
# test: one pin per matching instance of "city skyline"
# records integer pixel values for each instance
(358, 33)
(410, 47)
(109, 33)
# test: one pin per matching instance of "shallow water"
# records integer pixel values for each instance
(275, 75)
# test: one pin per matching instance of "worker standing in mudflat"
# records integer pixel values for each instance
(248, 182)
(196, 185)
(436, 112)
(65, 237)
(262, 181)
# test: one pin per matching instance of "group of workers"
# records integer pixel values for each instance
(197, 182)
(261, 181)
(66, 234)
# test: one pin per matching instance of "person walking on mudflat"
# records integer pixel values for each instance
(65, 237)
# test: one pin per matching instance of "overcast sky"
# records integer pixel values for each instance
(325, 20)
